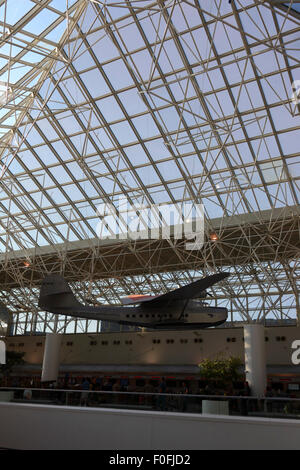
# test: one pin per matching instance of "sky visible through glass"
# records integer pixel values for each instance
(190, 101)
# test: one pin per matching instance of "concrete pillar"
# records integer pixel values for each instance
(255, 359)
(51, 358)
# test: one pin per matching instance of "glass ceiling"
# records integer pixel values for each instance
(157, 102)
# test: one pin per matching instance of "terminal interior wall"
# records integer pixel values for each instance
(169, 348)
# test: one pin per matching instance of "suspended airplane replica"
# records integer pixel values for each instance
(176, 310)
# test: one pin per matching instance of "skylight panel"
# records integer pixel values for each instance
(47, 129)
(60, 174)
(61, 5)
(268, 62)
(118, 74)
(136, 155)
(102, 46)
(73, 190)
(169, 170)
(12, 12)
(256, 124)
(62, 150)
(70, 124)
(169, 118)
(221, 38)
(293, 5)
(110, 109)
(212, 208)
(282, 118)
(15, 166)
(192, 164)
(145, 126)
(103, 139)
(141, 63)
(123, 132)
(82, 144)
(132, 37)
(294, 167)
(29, 160)
(41, 21)
(132, 102)
(157, 148)
(281, 195)
(237, 70)
(46, 155)
(56, 196)
(289, 142)
(109, 185)
(248, 97)
(95, 83)
(148, 175)
(67, 232)
(159, 195)
(277, 88)
(40, 198)
(83, 60)
(272, 171)
(89, 189)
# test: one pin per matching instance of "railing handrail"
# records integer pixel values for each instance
(178, 394)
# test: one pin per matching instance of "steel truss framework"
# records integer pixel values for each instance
(157, 102)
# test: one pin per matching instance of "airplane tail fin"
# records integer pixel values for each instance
(56, 295)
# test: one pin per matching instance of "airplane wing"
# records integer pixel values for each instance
(186, 292)
(137, 299)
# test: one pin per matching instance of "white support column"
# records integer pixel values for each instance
(51, 358)
(255, 359)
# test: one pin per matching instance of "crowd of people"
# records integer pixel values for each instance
(147, 393)
(140, 386)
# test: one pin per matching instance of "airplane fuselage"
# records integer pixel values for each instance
(176, 314)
